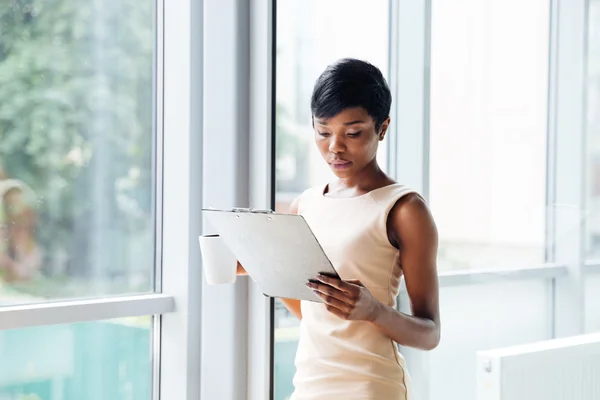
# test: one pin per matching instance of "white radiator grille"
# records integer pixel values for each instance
(561, 369)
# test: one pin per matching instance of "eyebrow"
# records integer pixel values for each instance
(358, 121)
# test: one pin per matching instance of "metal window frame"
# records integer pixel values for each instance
(566, 195)
(180, 331)
(72, 311)
(410, 63)
(225, 179)
(238, 154)
(485, 276)
(261, 340)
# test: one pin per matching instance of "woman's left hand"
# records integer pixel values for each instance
(348, 300)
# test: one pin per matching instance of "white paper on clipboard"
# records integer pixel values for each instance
(279, 251)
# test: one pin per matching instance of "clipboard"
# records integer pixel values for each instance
(278, 251)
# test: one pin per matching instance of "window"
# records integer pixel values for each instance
(81, 202)
(593, 131)
(76, 151)
(100, 153)
(308, 40)
(488, 132)
(89, 360)
(592, 198)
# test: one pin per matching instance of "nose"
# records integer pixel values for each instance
(336, 145)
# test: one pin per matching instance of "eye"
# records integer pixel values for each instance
(354, 134)
(324, 134)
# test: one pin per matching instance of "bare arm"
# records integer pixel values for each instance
(414, 231)
(292, 305)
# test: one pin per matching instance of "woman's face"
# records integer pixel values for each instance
(348, 141)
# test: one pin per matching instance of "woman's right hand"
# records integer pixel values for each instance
(240, 270)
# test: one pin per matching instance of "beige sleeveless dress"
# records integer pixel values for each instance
(338, 359)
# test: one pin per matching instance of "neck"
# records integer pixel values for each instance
(370, 177)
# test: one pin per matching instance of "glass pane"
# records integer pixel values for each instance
(488, 131)
(76, 143)
(593, 131)
(308, 40)
(92, 361)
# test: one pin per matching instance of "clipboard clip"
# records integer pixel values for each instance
(251, 210)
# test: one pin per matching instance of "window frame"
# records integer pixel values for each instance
(177, 341)
(238, 172)
(567, 158)
(173, 304)
(410, 63)
(261, 311)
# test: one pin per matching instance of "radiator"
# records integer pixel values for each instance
(560, 369)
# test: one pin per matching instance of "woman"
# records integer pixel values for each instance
(374, 231)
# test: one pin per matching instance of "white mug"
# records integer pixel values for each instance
(218, 262)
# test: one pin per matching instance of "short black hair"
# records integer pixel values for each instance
(351, 83)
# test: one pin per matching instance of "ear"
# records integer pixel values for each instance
(384, 127)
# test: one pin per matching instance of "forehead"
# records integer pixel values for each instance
(348, 116)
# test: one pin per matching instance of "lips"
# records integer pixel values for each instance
(340, 164)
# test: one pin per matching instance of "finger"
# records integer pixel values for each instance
(336, 283)
(355, 282)
(328, 290)
(332, 301)
(352, 290)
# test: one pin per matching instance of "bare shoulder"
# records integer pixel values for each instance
(410, 220)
